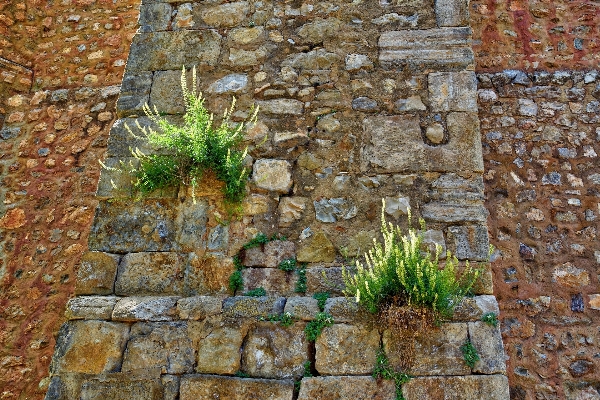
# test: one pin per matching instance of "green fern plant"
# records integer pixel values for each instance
(193, 148)
(398, 270)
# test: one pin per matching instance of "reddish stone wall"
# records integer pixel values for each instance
(542, 34)
(59, 64)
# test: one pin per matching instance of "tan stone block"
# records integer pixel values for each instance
(122, 387)
(195, 387)
(346, 387)
(96, 274)
(317, 248)
(208, 274)
(488, 342)
(346, 350)
(494, 387)
(165, 269)
(219, 350)
(91, 347)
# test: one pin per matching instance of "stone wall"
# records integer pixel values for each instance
(541, 134)
(357, 103)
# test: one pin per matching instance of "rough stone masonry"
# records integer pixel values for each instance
(358, 103)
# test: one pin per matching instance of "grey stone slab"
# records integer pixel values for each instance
(325, 279)
(122, 387)
(473, 308)
(163, 346)
(148, 308)
(274, 281)
(452, 212)
(344, 349)
(121, 141)
(244, 306)
(116, 178)
(281, 107)
(273, 175)
(155, 16)
(487, 340)
(273, 351)
(395, 144)
(346, 387)
(199, 307)
(223, 387)
(442, 48)
(494, 387)
(453, 91)
(219, 348)
(150, 273)
(452, 13)
(135, 90)
(343, 309)
(174, 49)
(453, 187)
(166, 94)
(90, 307)
(469, 242)
(304, 308)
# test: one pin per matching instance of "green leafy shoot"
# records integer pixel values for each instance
(286, 319)
(399, 269)
(236, 281)
(301, 282)
(321, 299)
(193, 148)
(383, 370)
(288, 265)
(469, 353)
(258, 292)
(307, 369)
(490, 318)
(314, 328)
(241, 374)
(256, 241)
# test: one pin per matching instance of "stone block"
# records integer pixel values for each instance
(96, 274)
(281, 107)
(291, 209)
(488, 342)
(90, 307)
(494, 387)
(225, 15)
(344, 349)
(207, 274)
(274, 281)
(330, 210)
(469, 242)
(444, 212)
(453, 91)
(170, 386)
(473, 308)
(274, 351)
(432, 239)
(64, 386)
(162, 346)
(154, 17)
(453, 187)
(223, 387)
(317, 248)
(569, 276)
(122, 387)
(395, 144)
(150, 308)
(115, 180)
(436, 352)
(232, 83)
(247, 307)
(344, 309)
(273, 175)
(319, 59)
(346, 387)
(89, 347)
(322, 279)
(121, 141)
(166, 94)
(304, 308)
(199, 307)
(439, 48)
(219, 350)
(318, 30)
(171, 50)
(134, 93)
(452, 13)
(150, 274)
(273, 253)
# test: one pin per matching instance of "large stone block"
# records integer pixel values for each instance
(135, 91)
(122, 387)
(445, 212)
(222, 387)
(469, 242)
(346, 350)
(225, 15)
(317, 248)
(219, 349)
(208, 274)
(395, 144)
(121, 142)
(473, 308)
(271, 255)
(274, 281)
(150, 308)
(494, 387)
(488, 342)
(163, 346)
(89, 347)
(90, 307)
(273, 175)
(115, 179)
(247, 307)
(453, 91)
(440, 48)
(346, 387)
(322, 279)
(199, 307)
(436, 352)
(150, 274)
(273, 351)
(304, 308)
(155, 16)
(96, 274)
(171, 50)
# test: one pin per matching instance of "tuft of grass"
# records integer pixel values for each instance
(321, 298)
(288, 265)
(383, 370)
(469, 353)
(399, 271)
(236, 281)
(314, 328)
(285, 319)
(193, 148)
(490, 318)
(256, 241)
(258, 292)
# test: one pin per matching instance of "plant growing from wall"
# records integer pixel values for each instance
(383, 370)
(193, 148)
(469, 354)
(321, 298)
(314, 328)
(490, 318)
(400, 273)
